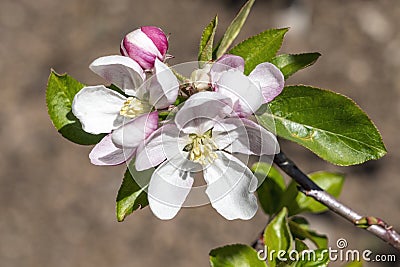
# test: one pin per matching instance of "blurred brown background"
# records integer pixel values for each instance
(58, 210)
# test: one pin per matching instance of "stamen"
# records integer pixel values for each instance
(201, 148)
(134, 107)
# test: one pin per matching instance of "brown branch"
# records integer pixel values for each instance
(309, 188)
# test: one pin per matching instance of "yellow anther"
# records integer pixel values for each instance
(202, 148)
(134, 107)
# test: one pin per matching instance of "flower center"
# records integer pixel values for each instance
(201, 148)
(134, 107)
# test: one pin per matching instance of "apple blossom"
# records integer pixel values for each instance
(203, 137)
(144, 45)
(103, 110)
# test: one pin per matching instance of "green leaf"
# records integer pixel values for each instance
(271, 190)
(301, 230)
(289, 64)
(207, 41)
(315, 258)
(300, 245)
(330, 182)
(235, 256)
(259, 48)
(277, 235)
(329, 124)
(234, 29)
(60, 93)
(130, 195)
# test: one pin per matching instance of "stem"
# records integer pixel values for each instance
(309, 188)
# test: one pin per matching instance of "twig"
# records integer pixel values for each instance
(309, 188)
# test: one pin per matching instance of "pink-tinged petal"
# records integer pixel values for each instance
(228, 62)
(168, 189)
(143, 57)
(131, 134)
(245, 95)
(230, 187)
(254, 140)
(106, 153)
(157, 147)
(269, 78)
(122, 71)
(201, 111)
(158, 37)
(164, 86)
(138, 46)
(97, 108)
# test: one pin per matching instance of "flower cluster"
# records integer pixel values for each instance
(202, 134)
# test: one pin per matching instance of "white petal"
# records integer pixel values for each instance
(254, 140)
(168, 189)
(164, 86)
(106, 153)
(166, 143)
(160, 144)
(201, 111)
(122, 71)
(224, 132)
(97, 108)
(131, 134)
(241, 90)
(270, 80)
(228, 124)
(185, 164)
(225, 63)
(231, 187)
(201, 78)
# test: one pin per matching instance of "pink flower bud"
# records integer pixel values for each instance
(144, 45)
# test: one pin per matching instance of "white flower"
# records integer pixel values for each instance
(202, 138)
(102, 110)
(247, 93)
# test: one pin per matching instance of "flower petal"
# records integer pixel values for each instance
(131, 134)
(155, 149)
(158, 37)
(254, 140)
(270, 80)
(106, 153)
(168, 189)
(200, 111)
(138, 46)
(225, 132)
(164, 86)
(243, 92)
(200, 78)
(225, 63)
(97, 108)
(122, 71)
(231, 187)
